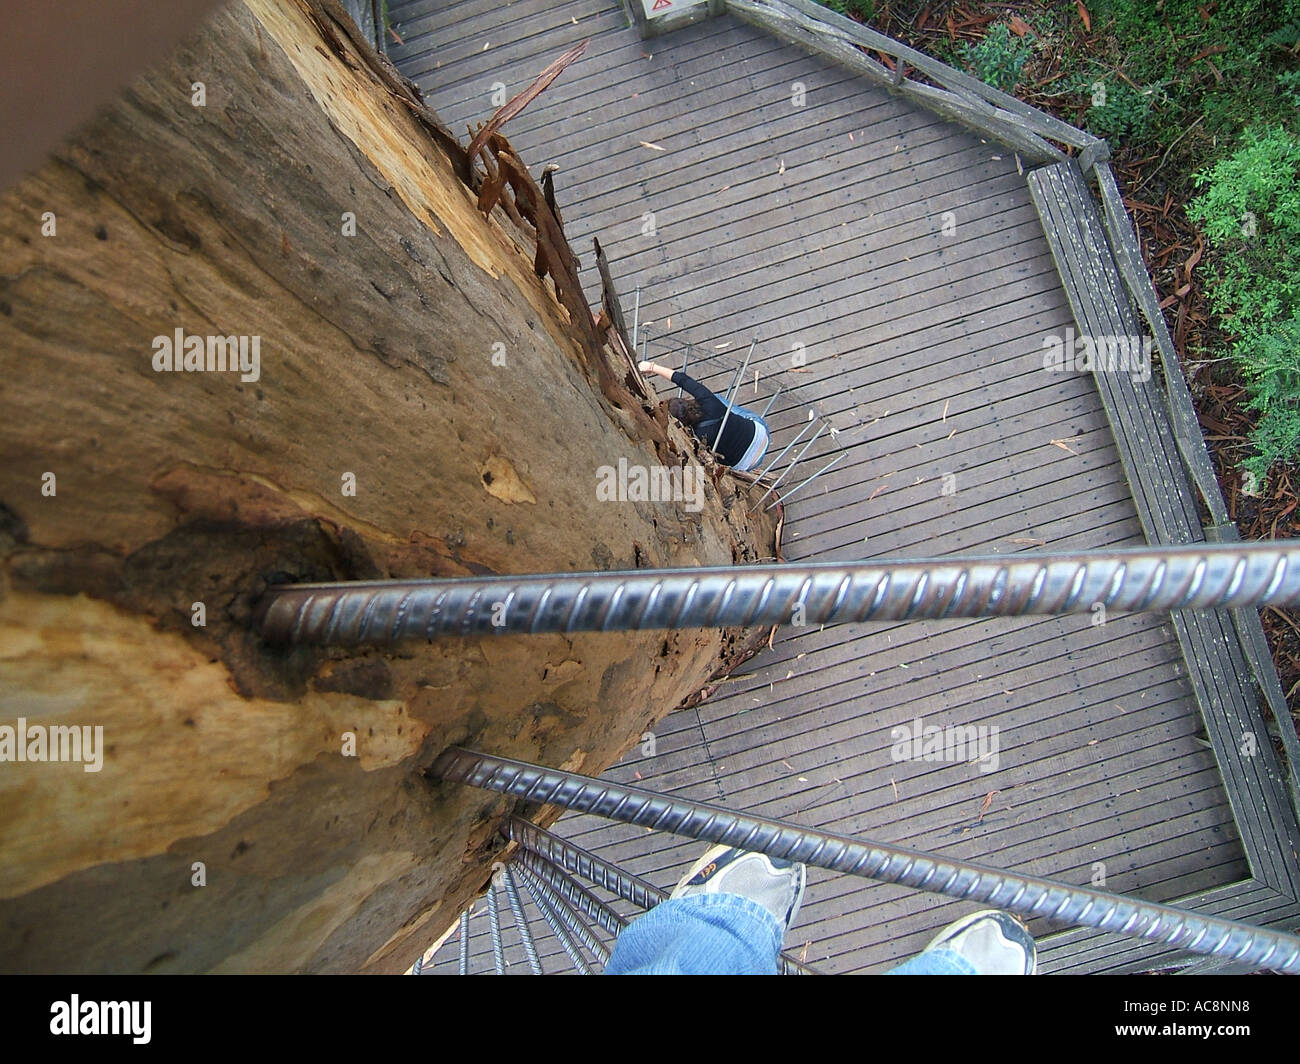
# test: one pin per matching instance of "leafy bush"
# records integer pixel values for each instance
(863, 9)
(1288, 85)
(1174, 43)
(1286, 36)
(1250, 213)
(1118, 110)
(999, 58)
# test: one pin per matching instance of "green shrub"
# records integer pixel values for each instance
(1288, 85)
(1214, 66)
(1118, 111)
(863, 9)
(1250, 213)
(1286, 36)
(998, 59)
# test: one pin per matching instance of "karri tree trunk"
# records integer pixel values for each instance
(422, 404)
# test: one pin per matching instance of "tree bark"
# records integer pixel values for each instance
(226, 761)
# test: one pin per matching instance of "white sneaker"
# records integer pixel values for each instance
(774, 883)
(996, 943)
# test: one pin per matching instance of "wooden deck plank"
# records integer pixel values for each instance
(1096, 713)
(903, 794)
(957, 650)
(853, 301)
(482, 41)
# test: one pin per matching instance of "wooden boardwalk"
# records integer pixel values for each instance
(903, 259)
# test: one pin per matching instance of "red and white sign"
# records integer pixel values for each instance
(659, 8)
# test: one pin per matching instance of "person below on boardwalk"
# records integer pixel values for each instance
(744, 438)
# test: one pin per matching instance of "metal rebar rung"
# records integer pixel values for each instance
(494, 926)
(574, 893)
(521, 921)
(1200, 576)
(735, 387)
(773, 463)
(772, 400)
(1027, 895)
(786, 471)
(804, 483)
(575, 859)
(559, 923)
(463, 967)
(541, 884)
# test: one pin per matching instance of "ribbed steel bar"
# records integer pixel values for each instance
(577, 861)
(734, 391)
(569, 912)
(574, 893)
(773, 463)
(584, 863)
(772, 400)
(636, 317)
(824, 469)
(521, 921)
(793, 462)
(464, 943)
(1027, 895)
(559, 923)
(1200, 576)
(494, 927)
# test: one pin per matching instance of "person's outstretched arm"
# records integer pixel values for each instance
(712, 406)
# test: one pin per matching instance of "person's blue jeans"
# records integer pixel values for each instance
(726, 934)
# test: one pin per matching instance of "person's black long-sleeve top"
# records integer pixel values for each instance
(738, 434)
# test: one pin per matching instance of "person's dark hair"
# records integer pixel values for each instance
(686, 409)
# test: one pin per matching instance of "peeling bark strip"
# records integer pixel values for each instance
(425, 405)
(553, 258)
(618, 336)
(518, 103)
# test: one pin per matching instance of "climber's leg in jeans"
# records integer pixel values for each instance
(730, 913)
(704, 934)
(727, 916)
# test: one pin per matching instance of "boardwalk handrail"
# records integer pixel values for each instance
(963, 98)
(1128, 257)
(1132, 282)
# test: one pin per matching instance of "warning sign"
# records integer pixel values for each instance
(659, 8)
